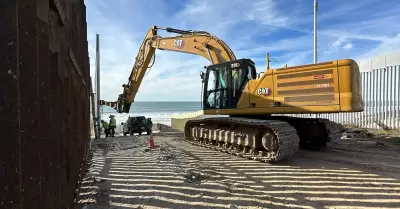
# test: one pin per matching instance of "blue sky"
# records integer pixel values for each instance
(284, 28)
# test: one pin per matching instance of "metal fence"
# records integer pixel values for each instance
(381, 94)
(44, 102)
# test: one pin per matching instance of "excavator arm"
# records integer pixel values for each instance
(199, 43)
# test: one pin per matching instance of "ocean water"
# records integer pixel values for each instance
(159, 112)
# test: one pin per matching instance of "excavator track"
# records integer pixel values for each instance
(261, 140)
(266, 140)
(314, 133)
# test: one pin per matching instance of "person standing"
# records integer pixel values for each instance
(106, 128)
(113, 125)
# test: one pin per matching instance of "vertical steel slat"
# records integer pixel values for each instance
(361, 122)
(358, 122)
(394, 96)
(386, 96)
(342, 117)
(366, 101)
(375, 109)
(11, 156)
(336, 116)
(379, 94)
(390, 97)
(398, 95)
(368, 114)
(376, 96)
(380, 89)
(383, 96)
(380, 97)
(366, 90)
(365, 98)
(395, 90)
(371, 98)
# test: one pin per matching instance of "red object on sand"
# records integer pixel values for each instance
(151, 142)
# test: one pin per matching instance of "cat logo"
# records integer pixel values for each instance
(178, 43)
(264, 91)
(235, 65)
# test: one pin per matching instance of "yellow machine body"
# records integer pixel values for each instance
(327, 87)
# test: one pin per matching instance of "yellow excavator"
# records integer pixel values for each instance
(254, 103)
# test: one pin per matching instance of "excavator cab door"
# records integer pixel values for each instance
(224, 83)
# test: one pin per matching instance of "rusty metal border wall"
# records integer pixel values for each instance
(44, 102)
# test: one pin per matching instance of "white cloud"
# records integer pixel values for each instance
(347, 46)
(388, 45)
(266, 13)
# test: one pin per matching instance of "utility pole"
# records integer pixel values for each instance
(93, 110)
(267, 61)
(315, 30)
(315, 38)
(98, 86)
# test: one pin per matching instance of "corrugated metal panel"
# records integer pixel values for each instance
(44, 102)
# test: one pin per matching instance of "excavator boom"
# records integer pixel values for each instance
(199, 43)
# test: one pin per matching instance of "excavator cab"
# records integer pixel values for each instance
(224, 83)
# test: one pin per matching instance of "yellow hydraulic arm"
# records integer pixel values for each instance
(193, 42)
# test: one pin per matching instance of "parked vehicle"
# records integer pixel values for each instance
(137, 124)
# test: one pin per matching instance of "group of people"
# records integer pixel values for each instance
(109, 129)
